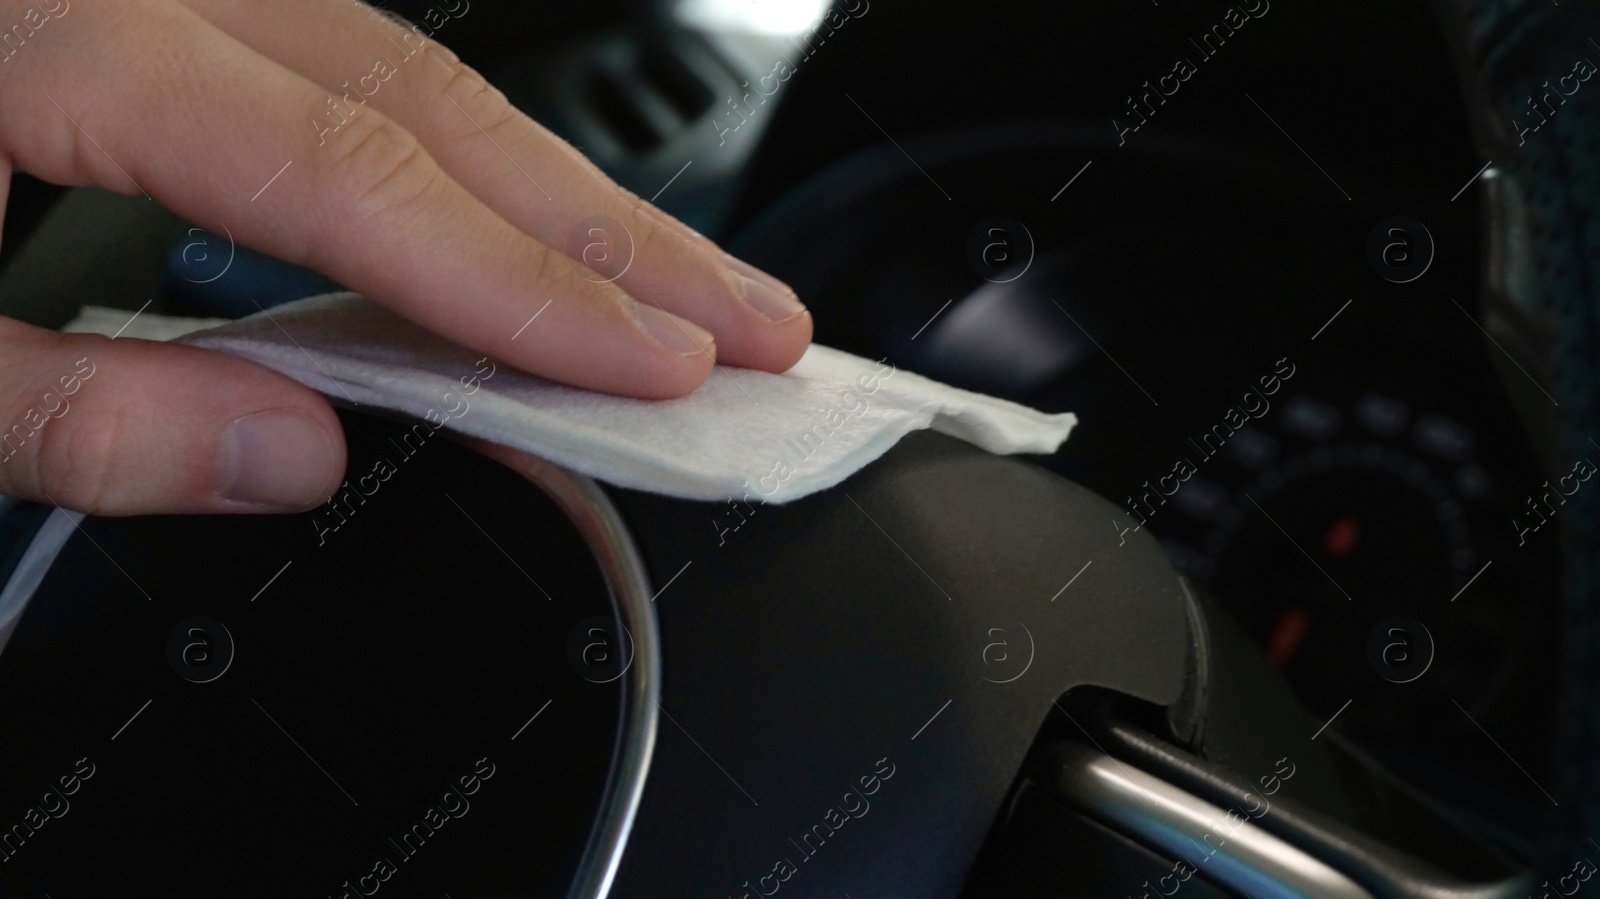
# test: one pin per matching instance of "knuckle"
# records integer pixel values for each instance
(649, 234)
(659, 225)
(385, 169)
(77, 463)
(482, 102)
(464, 83)
(542, 271)
(86, 162)
(433, 48)
(659, 236)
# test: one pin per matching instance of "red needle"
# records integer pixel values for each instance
(1340, 539)
(1286, 635)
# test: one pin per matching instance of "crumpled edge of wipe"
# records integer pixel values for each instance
(1000, 426)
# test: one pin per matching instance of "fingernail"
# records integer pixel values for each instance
(276, 458)
(773, 299)
(678, 335)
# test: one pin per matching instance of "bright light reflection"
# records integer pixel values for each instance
(760, 16)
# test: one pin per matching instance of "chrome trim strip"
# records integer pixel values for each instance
(1159, 814)
(628, 580)
(41, 553)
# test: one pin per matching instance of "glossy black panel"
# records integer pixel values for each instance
(371, 668)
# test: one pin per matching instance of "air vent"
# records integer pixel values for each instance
(642, 91)
(670, 76)
(618, 109)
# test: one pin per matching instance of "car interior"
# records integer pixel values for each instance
(1282, 617)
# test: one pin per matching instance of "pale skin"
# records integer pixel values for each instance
(412, 202)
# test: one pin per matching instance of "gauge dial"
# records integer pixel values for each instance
(1322, 526)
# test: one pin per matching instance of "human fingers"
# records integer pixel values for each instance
(522, 171)
(366, 205)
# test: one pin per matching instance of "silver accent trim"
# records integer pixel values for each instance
(1159, 814)
(592, 511)
(627, 579)
(35, 563)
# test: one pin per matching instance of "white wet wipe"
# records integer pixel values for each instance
(741, 434)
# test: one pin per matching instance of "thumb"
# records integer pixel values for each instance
(130, 427)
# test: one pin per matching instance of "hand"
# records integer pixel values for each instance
(412, 181)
